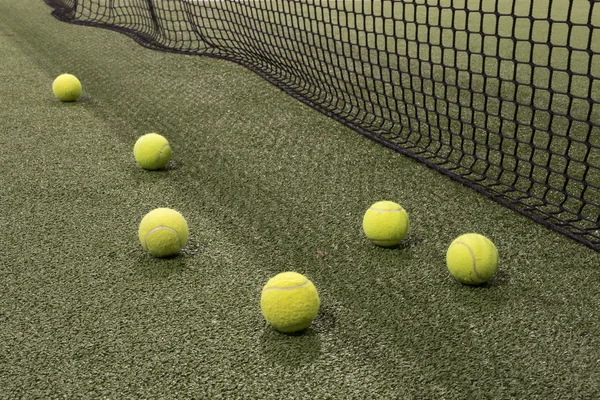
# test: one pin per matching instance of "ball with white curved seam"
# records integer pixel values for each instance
(386, 223)
(163, 232)
(472, 259)
(152, 151)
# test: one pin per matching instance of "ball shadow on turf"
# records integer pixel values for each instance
(82, 101)
(404, 245)
(173, 165)
(297, 349)
(290, 350)
(153, 267)
(325, 320)
(161, 267)
(499, 279)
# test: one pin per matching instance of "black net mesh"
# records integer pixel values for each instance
(503, 96)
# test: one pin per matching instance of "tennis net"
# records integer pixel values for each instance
(503, 96)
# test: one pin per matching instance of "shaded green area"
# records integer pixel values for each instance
(267, 184)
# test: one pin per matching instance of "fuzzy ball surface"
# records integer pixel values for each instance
(386, 223)
(152, 151)
(472, 259)
(66, 87)
(289, 302)
(163, 232)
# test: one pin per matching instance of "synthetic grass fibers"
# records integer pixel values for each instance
(267, 184)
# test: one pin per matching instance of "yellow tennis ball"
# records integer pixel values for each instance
(66, 87)
(472, 259)
(386, 223)
(163, 232)
(152, 151)
(289, 302)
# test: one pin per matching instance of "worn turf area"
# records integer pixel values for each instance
(267, 185)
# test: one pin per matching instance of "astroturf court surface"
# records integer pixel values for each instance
(267, 185)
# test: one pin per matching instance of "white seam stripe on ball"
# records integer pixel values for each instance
(161, 151)
(382, 210)
(472, 257)
(138, 144)
(288, 287)
(162, 227)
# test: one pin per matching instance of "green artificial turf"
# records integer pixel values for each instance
(267, 185)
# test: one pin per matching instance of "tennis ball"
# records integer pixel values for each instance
(472, 259)
(289, 302)
(386, 223)
(163, 232)
(152, 151)
(66, 87)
